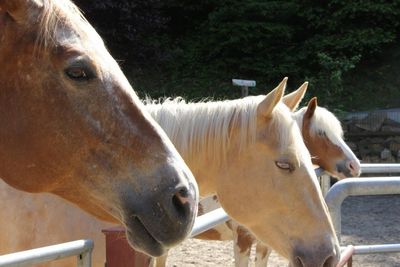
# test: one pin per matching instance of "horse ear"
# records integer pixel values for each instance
(266, 106)
(293, 99)
(312, 105)
(22, 11)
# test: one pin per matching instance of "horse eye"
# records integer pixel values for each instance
(321, 133)
(79, 73)
(284, 165)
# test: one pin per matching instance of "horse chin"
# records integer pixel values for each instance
(338, 175)
(142, 240)
(339, 171)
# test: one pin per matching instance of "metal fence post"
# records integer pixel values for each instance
(85, 259)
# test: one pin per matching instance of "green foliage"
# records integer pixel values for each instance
(342, 34)
(194, 48)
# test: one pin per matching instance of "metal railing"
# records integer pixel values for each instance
(357, 187)
(208, 221)
(364, 186)
(380, 168)
(366, 168)
(335, 195)
(80, 248)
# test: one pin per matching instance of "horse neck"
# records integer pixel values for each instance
(205, 132)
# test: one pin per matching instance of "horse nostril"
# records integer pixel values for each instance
(298, 262)
(182, 201)
(330, 261)
(319, 259)
(351, 166)
(354, 167)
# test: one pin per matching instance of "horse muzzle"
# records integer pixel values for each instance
(163, 221)
(348, 168)
(319, 256)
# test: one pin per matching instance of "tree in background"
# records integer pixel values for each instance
(345, 39)
(131, 29)
(347, 49)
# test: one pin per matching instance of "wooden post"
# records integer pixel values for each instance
(118, 251)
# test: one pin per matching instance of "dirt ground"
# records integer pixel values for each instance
(365, 220)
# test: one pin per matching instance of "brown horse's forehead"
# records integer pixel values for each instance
(323, 147)
(73, 41)
(67, 51)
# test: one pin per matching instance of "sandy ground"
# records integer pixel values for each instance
(365, 220)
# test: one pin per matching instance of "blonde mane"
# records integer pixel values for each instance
(323, 122)
(54, 13)
(207, 126)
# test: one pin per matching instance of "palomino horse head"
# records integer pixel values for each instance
(323, 136)
(270, 187)
(70, 124)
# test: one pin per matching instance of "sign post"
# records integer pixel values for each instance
(244, 84)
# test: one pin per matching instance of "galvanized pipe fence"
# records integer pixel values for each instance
(363, 187)
(208, 221)
(366, 168)
(357, 187)
(80, 248)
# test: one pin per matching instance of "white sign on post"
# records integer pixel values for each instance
(244, 84)
(248, 83)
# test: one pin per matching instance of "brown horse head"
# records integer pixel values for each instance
(70, 124)
(328, 147)
(323, 136)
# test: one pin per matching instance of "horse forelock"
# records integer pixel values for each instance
(53, 14)
(325, 122)
(206, 125)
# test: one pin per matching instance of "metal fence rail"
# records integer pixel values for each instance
(347, 253)
(357, 187)
(80, 248)
(371, 249)
(208, 221)
(366, 168)
(364, 186)
(380, 168)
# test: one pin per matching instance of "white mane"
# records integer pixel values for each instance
(323, 122)
(207, 126)
(195, 127)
